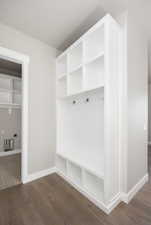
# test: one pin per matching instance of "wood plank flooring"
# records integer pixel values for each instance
(52, 201)
(10, 171)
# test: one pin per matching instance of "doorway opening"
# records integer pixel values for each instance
(13, 118)
(10, 123)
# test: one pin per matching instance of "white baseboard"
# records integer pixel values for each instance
(114, 202)
(37, 175)
(126, 197)
(106, 208)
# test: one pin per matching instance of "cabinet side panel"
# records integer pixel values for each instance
(111, 111)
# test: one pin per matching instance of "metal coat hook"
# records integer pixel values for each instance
(87, 99)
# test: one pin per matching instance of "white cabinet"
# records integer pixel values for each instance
(94, 43)
(10, 91)
(75, 57)
(87, 114)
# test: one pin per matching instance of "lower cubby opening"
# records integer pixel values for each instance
(62, 165)
(74, 173)
(93, 185)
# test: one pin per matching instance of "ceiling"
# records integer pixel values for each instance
(60, 22)
(51, 21)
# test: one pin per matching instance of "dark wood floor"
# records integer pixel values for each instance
(10, 171)
(51, 201)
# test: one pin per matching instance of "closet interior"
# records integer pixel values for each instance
(10, 123)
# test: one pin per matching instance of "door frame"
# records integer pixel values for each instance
(24, 61)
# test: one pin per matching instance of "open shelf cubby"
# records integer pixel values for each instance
(10, 91)
(75, 82)
(94, 73)
(74, 173)
(5, 83)
(62, 66)
(17, 85)
(93, 185)
(94, 44)
(75, 57)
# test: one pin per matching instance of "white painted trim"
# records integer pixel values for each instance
(37, 175)
(106, 208)
(115, 201)
(13, 55)
(24, 60)
(13, 152)
(123, 108)
(126, 197)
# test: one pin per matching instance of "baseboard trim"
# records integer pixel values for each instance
(40, 174)
(114, 202)
(106, 208)
(126, 197)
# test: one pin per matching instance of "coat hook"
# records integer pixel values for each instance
(87, 99)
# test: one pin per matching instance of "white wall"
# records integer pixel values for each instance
(137, 71)
(41, 96)
(149, 113)
(134, 102)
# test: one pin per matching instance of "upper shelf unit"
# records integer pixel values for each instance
(10, 91)
(87, 122)
(81, 67)
(94, 73)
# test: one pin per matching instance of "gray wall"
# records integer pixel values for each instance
(9, 125)
(134, 103)
(137, 90)
(149, 113)
(41, 150)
